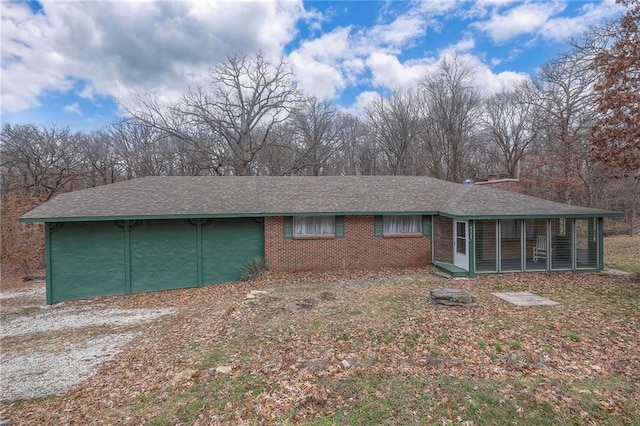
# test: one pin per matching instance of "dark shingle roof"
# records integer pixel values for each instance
(207, 196)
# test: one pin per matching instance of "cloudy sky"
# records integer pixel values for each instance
(72, 63)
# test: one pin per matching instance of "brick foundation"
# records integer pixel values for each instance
(359, 249)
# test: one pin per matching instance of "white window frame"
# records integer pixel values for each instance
(401, 225)
(306, 226)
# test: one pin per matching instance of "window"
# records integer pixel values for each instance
(562, 227)
(510, 228)
(402, 225)
(314, 225)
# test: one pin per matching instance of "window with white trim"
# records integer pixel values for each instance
(394, 225)
(314, 225)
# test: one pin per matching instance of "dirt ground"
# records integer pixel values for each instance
(49, 349)
(131, 359)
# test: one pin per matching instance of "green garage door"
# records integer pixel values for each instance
(226, 245)
(86, 260)
(163, 255)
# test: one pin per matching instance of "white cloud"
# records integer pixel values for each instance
(323, 65)
(87, 92)
(402, 30)
(326, 65)
(362, 101)
(563, 28)
(540, 19)
(124, 48)
(389, 72)
(73, 108)
(315, 78)
(439, 7)
(494, 3)
(488, 82)
(524, 19)
(465, 44)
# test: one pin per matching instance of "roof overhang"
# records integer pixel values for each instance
(281, 214)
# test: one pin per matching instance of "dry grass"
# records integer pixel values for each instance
(623, 252)
(369, 348)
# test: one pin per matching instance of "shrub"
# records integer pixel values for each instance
(252, 268)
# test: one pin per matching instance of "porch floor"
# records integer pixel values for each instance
(451, 269)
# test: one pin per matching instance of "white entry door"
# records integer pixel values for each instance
(461, 244)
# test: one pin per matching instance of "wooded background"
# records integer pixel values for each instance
(570, 134)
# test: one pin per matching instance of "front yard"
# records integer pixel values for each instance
(365, 348)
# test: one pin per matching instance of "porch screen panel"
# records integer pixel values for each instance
(561, 243)
(510, 245)
(536, 244)
(443, 239)
(586, 243)
(486, 246)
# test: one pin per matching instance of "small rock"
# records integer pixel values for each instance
(345, 363)
(327, 296)
(223, 369)
(406, 363)
(514, 358)
(544, 361)
(250, 296)
(258, 292)
(453, 297)
(306, 304)
(184, 375)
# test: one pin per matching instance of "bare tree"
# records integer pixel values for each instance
(101, 161)
(510, 123)
(233, 115)
(565, 94)
(357, 155)
(316, 126)
(42, 160)
(394, 127)
(141, 149)
(452, 107)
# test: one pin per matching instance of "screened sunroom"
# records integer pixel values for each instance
(553, 244)
(465, 247)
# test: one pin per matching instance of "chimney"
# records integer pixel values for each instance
(501, 181)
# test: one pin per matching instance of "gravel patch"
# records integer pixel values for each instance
(34, 292)
(51, 370)
(62, 318)
(36, 361)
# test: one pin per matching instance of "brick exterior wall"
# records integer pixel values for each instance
(443, 239)
(359, 249)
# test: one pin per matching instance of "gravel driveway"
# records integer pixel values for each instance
(47, 349)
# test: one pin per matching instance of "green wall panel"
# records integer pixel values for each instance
(227, 244)
(86, 260)
(163, 255)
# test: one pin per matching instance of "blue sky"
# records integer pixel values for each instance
(74, 63)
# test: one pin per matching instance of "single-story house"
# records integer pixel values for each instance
(158, 233)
